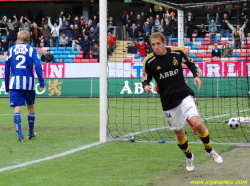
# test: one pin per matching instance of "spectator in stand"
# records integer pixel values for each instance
(147, 30)
(142, 50)
(202, 31)
(227, 50)
(190, 24)
(85, 46)
(124, 24)
(9, 22)
(12, 36)
(61, 60)
(82, 23)
(64, 27)
(111, 41)
(70, 34)
(237, 33)
(157, 20)
(4, 45)
(139, 22)
(165, 18)
(55, 30)
(64, 40)
(224, 26)
(27, 25)
(133, 32)
(92, 37)
(95, 52)
(216, 53)
(66, 13)
(39, 18)
(75, 38)
(175, 27)
(212, 28)
(36, 35)
(49, 58)
(167, 31)
(2, 28)
(46, 34)
(132, 48)
(111, 23)
(242, 19)
(90, 24)
(41, 55)
(83, 34)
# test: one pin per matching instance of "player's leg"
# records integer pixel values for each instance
(16, 101)
(194, 118)
(182, 142)
(31, 121)
(30, 96)
(176, 123)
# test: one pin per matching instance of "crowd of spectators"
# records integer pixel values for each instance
(140, 27)
(81, 34)
(65, 31)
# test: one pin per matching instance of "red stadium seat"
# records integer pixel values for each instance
(78, 56)
(84, 61)
(206, 39)
(242, 58)
(76, 60)
(243, 54)
(216, 59)
(93, 60)
(81, 53)
(205, 42)
(203, 47)
(207, 55)
(127, 60)
(200, 55)
(222, 42)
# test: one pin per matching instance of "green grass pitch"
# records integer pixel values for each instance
(67, 123)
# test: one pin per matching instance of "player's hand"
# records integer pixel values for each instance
(8, 92)
(148, 89)
(196, 102)
(43, 88)
(197, 80)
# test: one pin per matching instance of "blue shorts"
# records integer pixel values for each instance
(22, 97)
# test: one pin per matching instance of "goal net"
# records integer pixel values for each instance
(225, 93)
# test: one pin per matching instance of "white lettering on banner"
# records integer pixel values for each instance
(2, 71)
(231, 72)
(38, 88)
(213, 70)
(2, 89)
(126, 88)
(138, 88)
(56, 71)
(248, 70)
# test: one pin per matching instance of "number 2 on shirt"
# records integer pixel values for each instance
(19, 65)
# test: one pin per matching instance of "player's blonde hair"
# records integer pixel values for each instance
(157, 35)
(23, 36)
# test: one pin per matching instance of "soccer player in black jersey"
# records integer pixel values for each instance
(178, 103)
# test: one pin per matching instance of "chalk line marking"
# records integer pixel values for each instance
(50, 157)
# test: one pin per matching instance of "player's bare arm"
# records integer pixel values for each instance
(197, 80)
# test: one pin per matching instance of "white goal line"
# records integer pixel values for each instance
(50, 157)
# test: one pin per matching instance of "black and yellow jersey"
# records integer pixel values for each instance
(168, 73)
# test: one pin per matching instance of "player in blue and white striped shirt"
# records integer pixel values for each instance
(20, 83)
